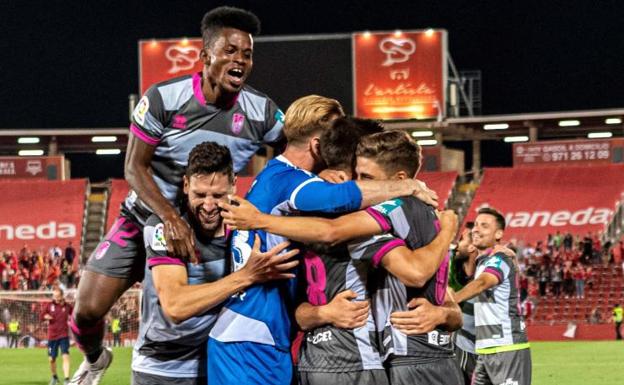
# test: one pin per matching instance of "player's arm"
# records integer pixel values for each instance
(242, 215)
(424, 317)
(341, 312)
(415, 267)
(181, 301)
(477, 286)
(46, 313)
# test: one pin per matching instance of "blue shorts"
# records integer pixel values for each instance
(54, 345)
(247, 363)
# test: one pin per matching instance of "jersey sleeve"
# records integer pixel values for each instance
(312, 193)
(148, 118)
(156, 245)
(274, 123)
(497, 266)
(373, 249)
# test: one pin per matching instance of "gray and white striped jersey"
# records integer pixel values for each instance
(498, 317)
(173, 116)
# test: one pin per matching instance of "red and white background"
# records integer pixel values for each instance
(538, 201)
(32, 167)
(399, 75)
(41, 213)
(168, 58)
(571, 152)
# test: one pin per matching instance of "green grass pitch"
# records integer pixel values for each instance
(554, 363)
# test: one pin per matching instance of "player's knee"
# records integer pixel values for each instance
(88, 312)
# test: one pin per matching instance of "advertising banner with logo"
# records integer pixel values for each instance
(440, 182)
(44, 167)
(41, 213)
(165, 59)
(543, 200)
(400, 75)
(569, 152)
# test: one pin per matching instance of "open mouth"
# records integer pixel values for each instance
(236, 75)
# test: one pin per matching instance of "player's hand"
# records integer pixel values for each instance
(239, 214)
(424, 193)
(422, 317)
(503, 249)
(262, 267)
(345, 313)
(333, 176)
(448, 219)
(180, 238)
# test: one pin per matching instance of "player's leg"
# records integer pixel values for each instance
(52, 354)
(467, 362)
(64, 346)
(480, 375)
(443, 371)
(360, 377)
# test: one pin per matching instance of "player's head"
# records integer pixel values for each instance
(306, 119)
(339, 142)
(465, 247)
(209, 179)
(227, 35)
(388, 155)
(57, 294)
(489, 228)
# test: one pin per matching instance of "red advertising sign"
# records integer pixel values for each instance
(543, 200)
(41, 213)
(569, 152)
(165, 59)
(45, 167)
(400, 75)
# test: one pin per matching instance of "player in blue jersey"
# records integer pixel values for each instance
(181, 300)
(169, 120)
(250, 341)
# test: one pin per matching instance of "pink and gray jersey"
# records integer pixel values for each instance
(416, 223)
(328, 272)
(173, 116)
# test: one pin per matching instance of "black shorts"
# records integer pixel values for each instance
(444, 371)
(503, 368)
(362, 377)
(55, 345)
(122, 252)
(467, 362)
(140, 378)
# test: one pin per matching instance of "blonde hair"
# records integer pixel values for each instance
(308, 115)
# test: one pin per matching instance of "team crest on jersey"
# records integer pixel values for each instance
(238, 121)
(158, 242)
(141, 110)
(388, 206)
(241, 250)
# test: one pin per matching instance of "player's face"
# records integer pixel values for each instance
(368, 169)
(465, 243)
(57, 296)
(204, 191)
(485, 233)
(228, 59)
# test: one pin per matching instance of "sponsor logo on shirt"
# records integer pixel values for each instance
(241, 250)
(388, 206)
(435, 338)
(140, 110)
(238, 121)
(158, 238)
(509, 381)
(320, 337)
(279, 116)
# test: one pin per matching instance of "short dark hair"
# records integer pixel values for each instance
(500, 219)
(469, 226)
(209, 157)
(339, 142)
(393, 150)
(228, 17)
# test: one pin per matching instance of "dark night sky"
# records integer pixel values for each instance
(73, 63)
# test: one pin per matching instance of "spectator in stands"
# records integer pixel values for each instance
(618, 316)
(55, 252)
(14, 333)
(616, 253)
(524, 287)
(533, 288)
(543, 276)
(568, 280)
(70, 253)
(588, 246)
(558, 240)
(57, 314)
(4, 272)
(579, 280)
(589, 277)
(595, 317)
(556, 274)
(568, 241)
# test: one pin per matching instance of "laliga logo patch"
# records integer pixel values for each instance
(140, 110)
(397, 50)
(241, 250)
(238, 121)
(181, 58)
(158, 238)
(279, 116)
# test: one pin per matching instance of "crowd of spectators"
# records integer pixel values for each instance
(39, 269)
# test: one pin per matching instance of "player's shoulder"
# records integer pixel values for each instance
(249, 91)
(387, 207)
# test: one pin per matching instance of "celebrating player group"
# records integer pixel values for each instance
(334, 269)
